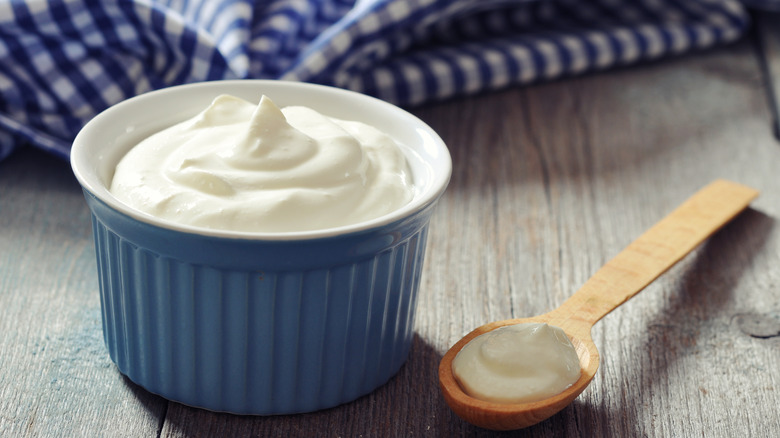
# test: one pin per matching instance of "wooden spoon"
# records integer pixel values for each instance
(621, 278)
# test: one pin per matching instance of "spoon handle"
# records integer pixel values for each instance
(654, 252)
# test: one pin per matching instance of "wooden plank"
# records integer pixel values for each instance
(56, 378)
(608, 156)
(549, 182)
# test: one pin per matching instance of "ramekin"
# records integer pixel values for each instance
(254, 323)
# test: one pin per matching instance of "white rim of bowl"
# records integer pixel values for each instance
(434, 189)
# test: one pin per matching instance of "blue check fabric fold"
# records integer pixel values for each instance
(64, 61)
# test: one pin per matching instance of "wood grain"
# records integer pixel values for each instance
(549, 182)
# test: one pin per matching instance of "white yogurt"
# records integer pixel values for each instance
(255, 168)
(517, 364)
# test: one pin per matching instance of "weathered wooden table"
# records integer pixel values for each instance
(549, 182)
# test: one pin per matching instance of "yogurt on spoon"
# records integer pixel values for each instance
(517, 363)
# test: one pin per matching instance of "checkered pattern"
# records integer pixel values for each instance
(63, 61)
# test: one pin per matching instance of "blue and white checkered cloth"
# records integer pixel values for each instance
(63, 61)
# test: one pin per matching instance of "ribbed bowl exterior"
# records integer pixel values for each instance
(254, 323)
(257, 327)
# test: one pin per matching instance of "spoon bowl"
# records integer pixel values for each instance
(504, 416)
(644, 260)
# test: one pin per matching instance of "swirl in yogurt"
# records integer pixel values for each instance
(518, 363)
(257, 168)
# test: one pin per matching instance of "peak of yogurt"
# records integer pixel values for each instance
(257, 168)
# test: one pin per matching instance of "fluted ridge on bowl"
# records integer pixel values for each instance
(216, 338)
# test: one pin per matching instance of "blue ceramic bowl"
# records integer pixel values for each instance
(255, 323)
